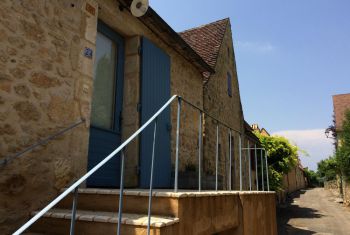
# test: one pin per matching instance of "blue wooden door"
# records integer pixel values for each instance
(105, 129)
(155, 91)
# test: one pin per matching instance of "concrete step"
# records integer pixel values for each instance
(57, 222)
(134, 201)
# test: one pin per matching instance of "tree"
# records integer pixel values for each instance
(282, 157)
(312, 177)
(328, 169)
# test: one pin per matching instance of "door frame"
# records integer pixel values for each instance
(118, 92)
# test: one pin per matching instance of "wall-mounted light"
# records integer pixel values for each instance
(329, 133)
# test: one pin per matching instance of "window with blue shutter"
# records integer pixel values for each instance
(229, 84)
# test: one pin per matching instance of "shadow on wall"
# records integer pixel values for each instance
(288, 211)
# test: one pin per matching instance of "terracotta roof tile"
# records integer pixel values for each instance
(206, 39)
(341, 103)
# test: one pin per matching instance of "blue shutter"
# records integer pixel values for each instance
(155, 91)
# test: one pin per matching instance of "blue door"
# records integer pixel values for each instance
(155, 91)
(105, 129)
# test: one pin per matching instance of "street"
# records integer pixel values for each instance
(313, 211)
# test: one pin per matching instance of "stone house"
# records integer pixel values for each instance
(341, 104)
(67, 61)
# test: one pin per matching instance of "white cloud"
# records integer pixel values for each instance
(314, 142)
(257, 47)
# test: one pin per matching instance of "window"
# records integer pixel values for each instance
(103, 108)
(229, 84)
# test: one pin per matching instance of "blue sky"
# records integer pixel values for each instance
(291, 56)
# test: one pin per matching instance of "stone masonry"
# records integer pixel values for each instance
(45, 86)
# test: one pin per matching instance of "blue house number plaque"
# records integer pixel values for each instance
(88, 52)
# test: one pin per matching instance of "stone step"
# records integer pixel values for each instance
(134, 201)
(57, 222)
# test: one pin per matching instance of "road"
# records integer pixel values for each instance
(313, 211)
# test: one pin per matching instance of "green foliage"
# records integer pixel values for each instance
(275, 179)
(339, 164)
(312, 177)
(282, 157)
(327, 169)
(342, 154)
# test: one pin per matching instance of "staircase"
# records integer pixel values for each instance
(97, 213)
(185, 212)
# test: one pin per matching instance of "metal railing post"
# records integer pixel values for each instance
(256, 168)
(267, 173)
(217, 157)
(74, 211)
(230, 159)
(151, 179)
(262, 170)
(121, 192)
(250, 167)
(200, 136)
(176, 180)
(240, 163)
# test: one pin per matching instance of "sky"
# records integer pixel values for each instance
(291, 57)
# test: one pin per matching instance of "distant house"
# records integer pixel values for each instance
(341, 104)
(262, 131)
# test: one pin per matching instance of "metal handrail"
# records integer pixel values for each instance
(262, 167)
(74, 187)
(211, 116)
(8, 159)
(93, 170)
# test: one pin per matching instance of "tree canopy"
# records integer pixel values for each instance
(327, 169)
(282, 156)
(339, 164)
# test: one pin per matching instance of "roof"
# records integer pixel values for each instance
(262, 131)
(206, 40)
(341, 103)
(248, 131)
(158, 26)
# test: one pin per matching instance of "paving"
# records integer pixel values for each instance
(313, 211)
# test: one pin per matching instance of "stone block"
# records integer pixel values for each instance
(27, 111)
(42, 80)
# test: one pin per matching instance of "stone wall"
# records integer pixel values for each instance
(45, 86)
(294, 180)
(228, 110)
(334, 187)
(346, 193)
(259, 213)
(231, 213)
